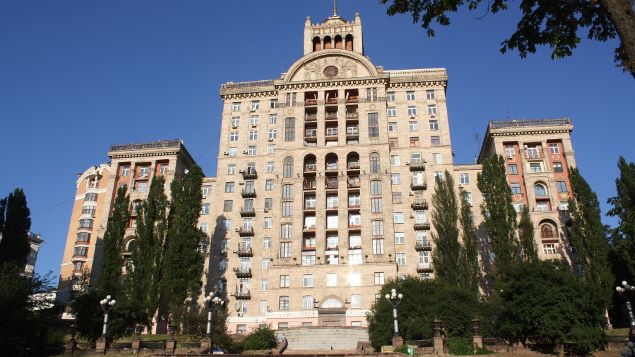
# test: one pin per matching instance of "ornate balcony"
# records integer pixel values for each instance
(310, 167)
(309, 184)
(242, 294)
(246, 231)
(244, 250)
(310, 101)
(353, 165)
(415, 186)
(310, 117)
(330, 183)
(422, 226)
(331, 116)
(248, 192)
(250, 173)
(352, 115)
(424, 267)
(242, 272)
(423, 245)
(247, 212)
(419, 204)
(418, 165)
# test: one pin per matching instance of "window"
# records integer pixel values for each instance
(307, 281)
(253, 134)
(270, 166)
(379, 278)
(397, 198)
(464, 178)
(308, 258)
(125, 170)
(265, 263)
(354, 220)
(331, 279)
(395, 160)
(353, 200)
(437, 158)
(268, 185)
(331, 201)
(410, 95)
(332, 241)
(287, 171)
(287, 191)
(263, 307)
(432, 110)
(375, 187)
(561, 186)
(233, 136)
(231, 169)
(390, 96)
(273, 118)
(268, 203)
(207, 189)
(371, 94)
(376, 205)
(554, 148)
(227, 224)
(535, 167)
(289, 129)
(83, 237)
(430, 94)
(291, 99)
(264, 284)
(395, 179)
(266, 243)
(375, 166)
(354, 241)
(533, 151)
(287, 208)
(255, 105)
(412, 110)
(434, 125)
(543, 206)
(435, 141)
(284, 281)
(392, 127)
(272, 134)
(414, 141)
(80, 251)
(547, 231)
(268, 222)
(78, 266)
(413, 125)
(307, 302)
(391, 112)
(373, 125)
(142, 186)
(235, 122)
(510, 151)
(515, 187)
(518, 207)
(251, 150)
(205, 209)
(229, 187)
(397, 217)
(283, 305)
(549, 248)
(356, 301)
(512, 169)
(232, 151)
(236, 106)
(377, 227)
(541, 190)
(557, 167)
(286, 231)
(378, 246)
(418, 179)
(401, 259)
(285, 250)
(271, 149)
(468, 197)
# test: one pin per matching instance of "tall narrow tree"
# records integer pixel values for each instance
(526, 234)
(113, 242)
(445, 217)
(469, 257)
(623, 203)
(498, 212)
(183, 260)
(588, 234)
(145, 274)
(16, 219)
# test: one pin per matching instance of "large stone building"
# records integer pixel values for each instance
(324, 178)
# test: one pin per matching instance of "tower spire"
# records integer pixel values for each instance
(334, 8)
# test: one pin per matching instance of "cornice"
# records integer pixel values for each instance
(531, 132)
(417, 83)
(148, 154)
(254, 94)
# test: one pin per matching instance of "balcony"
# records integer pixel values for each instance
(309, 206)
(353, 182)
(248, 192)
(309, 229)
(352, 132)
(242, 272)
(244, 250)
(246, 231)
(242, 294)
(417, 165)
(310, 135)
(331, 184)
(311, 167)
(353, 165)
(352, 115)
(310, 117)
(331, 116)
(415, 186)
(250, 173)
(332, 208)
(422, 226)
(331, 100)
(423, 245)
(352, 99)
(247, 212)
(331, 167)
(354, 207)
(309, 184)
(310, 101)
(419, 203)
(424, 267)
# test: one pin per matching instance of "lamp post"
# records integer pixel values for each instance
(106, 305)
(622, 290)
(395, 298)
(210, 302)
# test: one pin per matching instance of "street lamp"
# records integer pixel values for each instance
(106, 305)
(210, 301)
(395, 298)
(622, 290)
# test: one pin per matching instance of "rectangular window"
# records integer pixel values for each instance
(271, 149)
(125, 171)
(286, 231)
(228, 205)
(266, 243)
(284, 281)
(265, 263)
(287, 208)
(410, 95)
(391, 111)
(268, 222)
(229, 187)
(512, 169)
(331, 201)
(253, 135)
(375, 187)
(379, 278)
(395, 179)
(549, 248)
(287, 191)
(371, 94)
(435, 141)
(373, 125)
(397, 217)
(510, 150)
(273, 118)
(264, 308)
(231, 169)
(390, 96)
(307, 302)
(331, 279)
(414, 141)
(268, 203)
(400, 238)
(285, 250)
(289, 129)
(554, 148)
(291, 99)
(401, 259)
(308, 258)
(437, 158)
(395, 160)
(255, 105)
(251, 150)
(434, 125)
(535, 167)
(236, 106)
(235, 122)
(413, 125)
(430, 94)
(432, 110)
(376, 205)
(561, 186)
(232, 151)
(272, 134)
(412, 111)
(233, 136)
(353, 200)
(283, 305)
(205, 209)
(397, 198)
(377, 227)
(392, 127)
(515, 187)
(268, 185)
(557, 167)
(356, 301)
(378, 246)
(307, 281)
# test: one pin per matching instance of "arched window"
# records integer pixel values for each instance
(338, 42)
(349, 42)
(547, 230)
(317, 44)
(130, 246)
(540, 190)
(352, 161)
(327, 42)
(287, 169)
(375, 166)
(330, 162)
(310, 163)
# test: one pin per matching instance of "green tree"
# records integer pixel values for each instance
(556, 24)
(588, 234)
(543, 305)
(113, 242)
(446, 239)
(261, 338)
(498, 212)
(183, 260)
(89, 316)
(469, 257)
(623, 236)
(14, 228)
(144, 277)
(526, 235)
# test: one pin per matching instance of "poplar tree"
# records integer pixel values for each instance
(113, 242)
(183, 260)
(526, 234)
(623, 236)
(446, 239)
(15, 224)
(588, 234)
(498, 212)
(145, 274)
(469, 256)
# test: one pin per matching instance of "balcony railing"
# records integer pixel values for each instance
(242, 294)
(247, 212)
(424, 267)
(250, 173)
(420, 226)
(248, 192)
(534, 155)
(350, 183)
(423, 245)
(332, 100)
(352, 115)
(419, 185)
(417, 165)
(309, 206)
(309, 184)
(331, 116)
(244, 250)
(330, 184)
(310, 117)
(310, 101)
(246, 231)
(352, 99)
(352, 131)
(310, 134)
(353, 165)
(310, 167)
(331, 167)
(419, 203)
(242, 272)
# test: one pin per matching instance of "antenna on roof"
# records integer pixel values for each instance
(334, 8)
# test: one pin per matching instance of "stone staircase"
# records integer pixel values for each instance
(323, 338)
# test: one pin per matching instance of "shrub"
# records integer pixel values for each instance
(459, 346)
(261, 338)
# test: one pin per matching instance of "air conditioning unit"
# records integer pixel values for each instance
(204, 196)
(237, 229)
(411, 193)
(252, 109)
(412, 215)
(234, 126)
(245, 152)
(510, 156)
(241, 171)
(412, 116)
(226, 153)
(253, 125)
(407, 162)
(266, 210)
(433, 115)
(270, 139)
(241, 182)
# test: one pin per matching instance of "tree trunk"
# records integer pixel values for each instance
(622, 14)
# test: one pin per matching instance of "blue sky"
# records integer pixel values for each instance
(77, 76)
